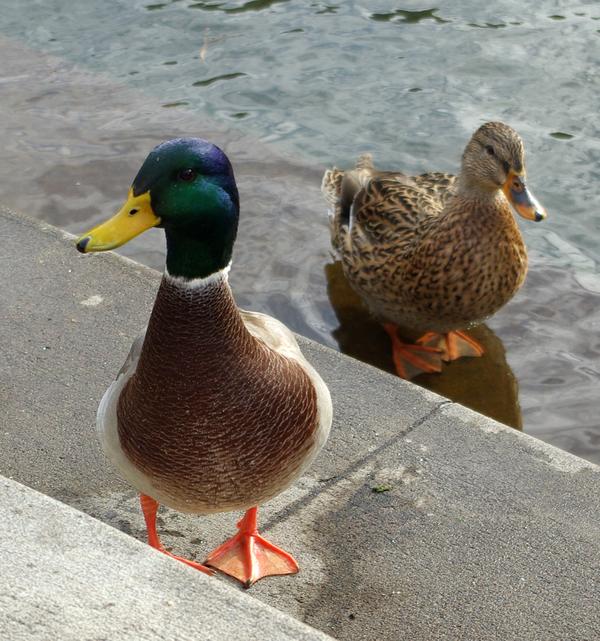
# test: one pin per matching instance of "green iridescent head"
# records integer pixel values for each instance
(187, 187)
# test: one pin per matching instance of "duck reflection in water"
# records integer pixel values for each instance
(485, 384)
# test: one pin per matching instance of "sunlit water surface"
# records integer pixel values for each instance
(87, 88)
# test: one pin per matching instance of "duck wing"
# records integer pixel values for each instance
(382, 212)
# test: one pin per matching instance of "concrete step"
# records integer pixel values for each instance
(67, 576)
(420, 520)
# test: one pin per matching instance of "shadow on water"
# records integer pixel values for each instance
(485, 384)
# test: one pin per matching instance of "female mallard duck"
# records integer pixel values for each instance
(215, 408)
(435, 252)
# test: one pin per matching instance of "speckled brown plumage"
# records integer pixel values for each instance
(215, 418)
(434, 252)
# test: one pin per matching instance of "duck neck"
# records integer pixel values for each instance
(199, 317)
(481, 206)
(202, 306)
(471, 190)
(194, 257)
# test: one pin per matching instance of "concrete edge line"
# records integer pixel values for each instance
(52, 553)
(555, 457)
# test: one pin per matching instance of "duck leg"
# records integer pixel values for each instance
(150, 508)
(411, 360)
(248, 557)
(453, 344)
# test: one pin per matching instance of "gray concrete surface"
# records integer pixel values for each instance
(66, 576)
(483, 533)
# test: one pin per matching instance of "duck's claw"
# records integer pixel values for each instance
(248, 556)
(411, 360)
(453, 345)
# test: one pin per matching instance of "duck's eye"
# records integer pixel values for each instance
(490, 150)
(187, 175)
(133, 212)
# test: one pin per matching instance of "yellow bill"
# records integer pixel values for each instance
(135, 217)
(524, 202)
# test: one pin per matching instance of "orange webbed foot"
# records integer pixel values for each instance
(454, 345)
(248, 557)
(150, 508)
(411, 360)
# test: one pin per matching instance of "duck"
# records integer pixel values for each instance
(434, 254)
(215, 409)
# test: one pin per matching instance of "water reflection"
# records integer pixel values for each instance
(410, 17)
(485, 384)
(252, 5)
(211, 81)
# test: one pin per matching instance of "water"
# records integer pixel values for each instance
(289, 87)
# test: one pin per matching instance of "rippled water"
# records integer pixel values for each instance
(289, 87)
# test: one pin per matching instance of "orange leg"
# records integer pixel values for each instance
(150, 508)
(248, 557)
(411, 360)
(453, 344)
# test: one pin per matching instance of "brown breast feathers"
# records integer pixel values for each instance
(215, 418)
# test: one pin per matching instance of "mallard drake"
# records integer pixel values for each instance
(435, 253)
(215, 409)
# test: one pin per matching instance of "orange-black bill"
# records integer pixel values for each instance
(135, 217)
(524, 202)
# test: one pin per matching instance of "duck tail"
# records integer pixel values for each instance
(334, 185)
(365, 161)
(331, 186)
(339, 189)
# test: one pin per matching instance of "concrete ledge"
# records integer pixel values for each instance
(67, 576)
(480, 532)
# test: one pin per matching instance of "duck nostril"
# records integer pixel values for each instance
(133, 212)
